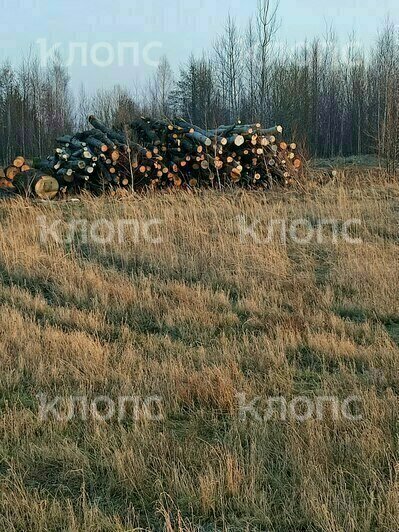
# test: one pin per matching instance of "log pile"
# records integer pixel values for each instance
(158, 154)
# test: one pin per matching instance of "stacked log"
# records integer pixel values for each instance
(159, 154)
(243, 155)
(36, 183)
(5, 183)
(21, 177)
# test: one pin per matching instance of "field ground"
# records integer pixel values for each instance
(196, 318)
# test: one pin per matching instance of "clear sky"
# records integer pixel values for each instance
(154, 27)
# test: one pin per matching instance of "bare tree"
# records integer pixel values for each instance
(83, 108)
(250, 65)
(164, 81)
(267, 26)
(228, 49)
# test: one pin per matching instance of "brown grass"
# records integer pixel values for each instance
(196, 319)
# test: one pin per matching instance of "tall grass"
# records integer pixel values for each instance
(196, 318)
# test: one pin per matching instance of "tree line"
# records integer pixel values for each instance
(332, 101)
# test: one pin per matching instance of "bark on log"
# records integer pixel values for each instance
(114, 135)
(96, 143)
(199, 137)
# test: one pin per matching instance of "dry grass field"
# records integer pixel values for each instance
(196, 317)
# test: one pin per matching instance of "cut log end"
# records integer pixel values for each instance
(19, 161)
(239, 140)
(35, 183)
(11, 171)
(46, 188)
